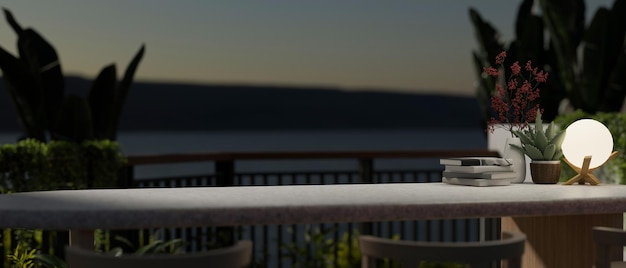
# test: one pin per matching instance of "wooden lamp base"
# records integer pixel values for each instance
(584, 173)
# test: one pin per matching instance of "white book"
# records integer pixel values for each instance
(478, 169)
(476, 182)
(475, 161)
(492, 175)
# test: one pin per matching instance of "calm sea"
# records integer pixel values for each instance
(154, 142)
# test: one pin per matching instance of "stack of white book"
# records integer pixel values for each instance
(477, 171)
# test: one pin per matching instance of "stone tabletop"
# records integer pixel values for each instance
(249, 205)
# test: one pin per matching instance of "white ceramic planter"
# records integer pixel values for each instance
(496, 142)
(517, 157)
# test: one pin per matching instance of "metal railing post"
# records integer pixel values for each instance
(224, 173)
(126, 176)
(366, 175)
(225, 176)
(366, 170)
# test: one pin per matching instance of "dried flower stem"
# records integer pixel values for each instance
(515, 103)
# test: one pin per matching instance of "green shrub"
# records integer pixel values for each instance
(31, 165)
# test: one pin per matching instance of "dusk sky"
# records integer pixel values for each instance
(404, 45)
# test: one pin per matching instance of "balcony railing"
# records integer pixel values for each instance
(276, 245)
(284, 245)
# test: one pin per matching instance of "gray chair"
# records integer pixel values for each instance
(236, 256)
(608, 240)
(412, 253)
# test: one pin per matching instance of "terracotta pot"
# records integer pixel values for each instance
(545, 172)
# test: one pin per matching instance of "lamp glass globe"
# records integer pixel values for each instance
(587, 137)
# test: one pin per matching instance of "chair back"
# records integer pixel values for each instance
(608, 240)
(236, 256)
(412, 253)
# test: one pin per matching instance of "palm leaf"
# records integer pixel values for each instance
(102, 102)
(122, 91)
(45, 68)
(11, 20)
(74, 122)
(25, 93)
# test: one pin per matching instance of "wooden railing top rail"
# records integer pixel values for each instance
(134, 160)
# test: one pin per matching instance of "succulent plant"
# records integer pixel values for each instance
(541, 145)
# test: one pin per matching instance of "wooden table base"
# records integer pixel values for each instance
(561, 241)
(82, 238)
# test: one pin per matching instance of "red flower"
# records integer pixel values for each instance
(516, 104)
(500, 57)
(515, 68)
(491, 71)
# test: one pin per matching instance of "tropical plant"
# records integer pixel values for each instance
(37, 88)
(594, 80)
(24, 256)
(541, 145)
(321, 250)
(26, 252)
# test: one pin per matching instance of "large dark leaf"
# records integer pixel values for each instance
(124, 87)
(74, 122)
(617, 30)
(565, 21)
(24, 92)
(616, 91)
(529, 32)
(524, 12)
(38, 87)
(11, 20)
(487, 36)
(45, 67)
(595, 69)
(615, 59)
(102, 102)
(485, 88)
(531, 41)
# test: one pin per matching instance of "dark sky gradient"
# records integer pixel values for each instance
(403, 45)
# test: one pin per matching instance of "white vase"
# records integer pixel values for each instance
(518, 158)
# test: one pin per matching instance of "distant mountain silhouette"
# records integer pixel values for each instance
(172, 107)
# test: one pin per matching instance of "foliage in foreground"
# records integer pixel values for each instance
(319, 250)
(26, 256)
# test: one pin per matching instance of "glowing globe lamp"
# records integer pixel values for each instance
(587, 145)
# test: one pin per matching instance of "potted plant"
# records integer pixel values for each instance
(514, 104)
(544, 150)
